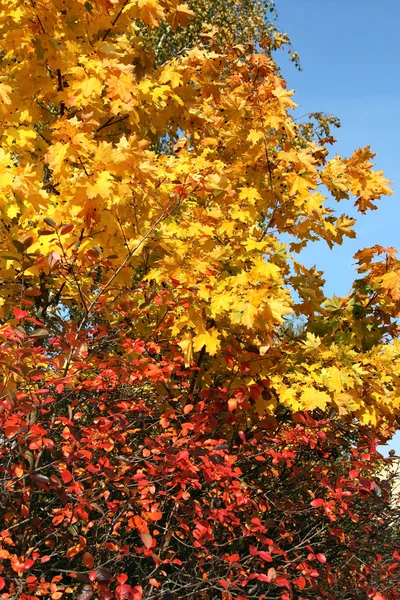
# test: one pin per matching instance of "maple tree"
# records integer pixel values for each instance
(164, 432)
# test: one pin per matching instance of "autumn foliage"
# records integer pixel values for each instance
(183, 413)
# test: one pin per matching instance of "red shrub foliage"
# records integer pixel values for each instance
(113, 491)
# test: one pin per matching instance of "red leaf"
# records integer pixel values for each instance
(321, 558)
(265, 556)
(282, 582)
(260, 577)
(393, 567)
(66, 476)
(45, 559)
(11, 430)
(66, 229)
(137, 592)
(300, 582)
(2, 583)
(53, 259)
(20, 314)
(123, 592)
(122, 578)
(317, 502)
(255, 391)
(233, 558)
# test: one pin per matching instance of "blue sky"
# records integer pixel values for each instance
(349, 55)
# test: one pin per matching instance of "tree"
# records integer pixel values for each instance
(223, 23)
(165, 432)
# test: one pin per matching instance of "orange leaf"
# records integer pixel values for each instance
(391, 283)
(232, 404)
(140, 524)
(88, 560)
(154, 516)
(74, 550)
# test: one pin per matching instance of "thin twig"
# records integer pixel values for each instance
(110, 122)
(83, 166)
(271, 183)
(109, 282)
(196, 372)
(115, 20)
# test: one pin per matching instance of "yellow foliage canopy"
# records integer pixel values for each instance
(154, 196)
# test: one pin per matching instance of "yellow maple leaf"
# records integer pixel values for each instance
(248, 314)
(346, 403)
(255, 136)
(311, 343)
(180, 16)
(288, 397)
(301, 185)
(314, 202)
(12, 210)
(209, 339)
(102, 186)
(273, 121)
(284, 97)
(151, 12)
(250, 194)
(91, 86)
(172, 76)
(368, 416)
(278, 310)
(311, 399)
